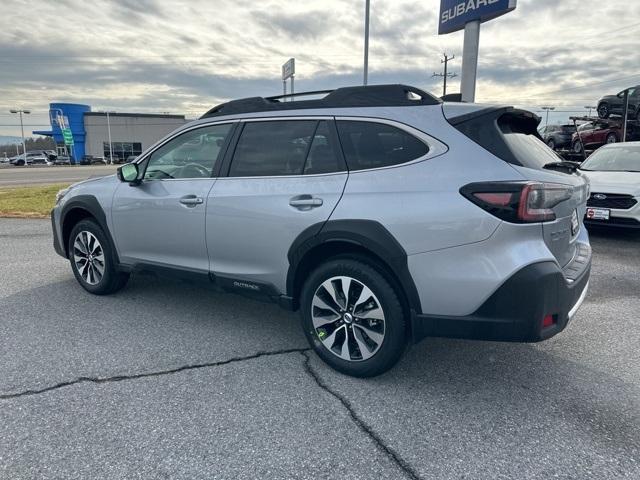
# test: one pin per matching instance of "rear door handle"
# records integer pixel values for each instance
(191, 200)
(305, 202)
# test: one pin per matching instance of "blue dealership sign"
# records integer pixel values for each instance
(454, 14)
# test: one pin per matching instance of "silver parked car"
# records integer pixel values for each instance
(379, 212)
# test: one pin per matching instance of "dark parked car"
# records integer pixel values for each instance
(90, 160)
(558, 136)
(614, 104)
(62, 160)
(130, 158)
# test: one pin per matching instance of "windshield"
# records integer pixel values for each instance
(615, 159)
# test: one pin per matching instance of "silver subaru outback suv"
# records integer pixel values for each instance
(381, 213)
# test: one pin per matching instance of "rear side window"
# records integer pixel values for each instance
(272, 148)
(374, 145)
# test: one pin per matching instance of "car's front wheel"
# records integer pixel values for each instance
(551, 144)
(93, 260)
(353, 318)
(612, 138)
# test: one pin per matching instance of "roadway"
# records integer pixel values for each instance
(11, 176)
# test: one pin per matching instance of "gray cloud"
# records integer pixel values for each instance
(151, 55)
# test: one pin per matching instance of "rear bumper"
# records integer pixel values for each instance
(515, 312)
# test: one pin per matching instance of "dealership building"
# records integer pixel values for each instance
(130, 133)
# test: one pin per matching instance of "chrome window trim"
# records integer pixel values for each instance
(436, 147)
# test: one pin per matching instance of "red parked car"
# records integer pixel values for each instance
(595, 134)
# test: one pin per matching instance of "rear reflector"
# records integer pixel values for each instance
(549, 321)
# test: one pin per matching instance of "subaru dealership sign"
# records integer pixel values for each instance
(455, 14)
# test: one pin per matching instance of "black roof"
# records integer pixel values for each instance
(369, 96)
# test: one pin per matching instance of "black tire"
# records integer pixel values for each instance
(551, 144)
(611, 138)
(576, 147)
(603, 110)
(394, 341)
(111, 280)
(20, 163)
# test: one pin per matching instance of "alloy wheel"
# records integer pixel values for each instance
(348, 318)
(88, 257)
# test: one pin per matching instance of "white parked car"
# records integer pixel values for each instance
(614, 173)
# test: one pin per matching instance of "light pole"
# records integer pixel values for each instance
(589, 108)
(109, 134)
(366, 42)
(24, 145)
(546, 122)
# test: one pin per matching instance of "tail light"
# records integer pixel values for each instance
(518, 202)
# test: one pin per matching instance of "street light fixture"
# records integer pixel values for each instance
(547, 109)
(590, 108)
(24, 145)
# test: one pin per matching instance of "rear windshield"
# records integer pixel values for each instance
(529, 150)
(510, 135)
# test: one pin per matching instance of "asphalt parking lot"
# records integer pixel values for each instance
(168, 379)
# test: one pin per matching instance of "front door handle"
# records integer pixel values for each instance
(305, 202)
(191, 200)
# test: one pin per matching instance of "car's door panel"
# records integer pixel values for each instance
(153, 226)
(252, 221)
(162, 219)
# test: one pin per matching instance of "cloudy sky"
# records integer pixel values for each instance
(185, 56)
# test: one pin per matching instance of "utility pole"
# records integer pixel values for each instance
(547, 109)
(446, 73)
(366, 42)
(24, 145)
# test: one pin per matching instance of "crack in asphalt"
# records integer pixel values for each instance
(387, 450)
(366, 429)
(120, 378)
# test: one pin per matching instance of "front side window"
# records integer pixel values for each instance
(374, 145)
(193, 154)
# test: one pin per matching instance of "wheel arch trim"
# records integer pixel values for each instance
(91, 205)
(367, 234)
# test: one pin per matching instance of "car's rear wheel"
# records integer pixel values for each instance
(612, 138)
(577, 147)
(353, 318)
(93, 260)
(551, 144)
(603, 110)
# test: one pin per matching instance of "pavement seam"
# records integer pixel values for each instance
(120, 378)
(387, 450)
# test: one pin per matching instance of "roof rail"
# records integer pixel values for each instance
(362, 96)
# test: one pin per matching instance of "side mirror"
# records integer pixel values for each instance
(128, 173)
